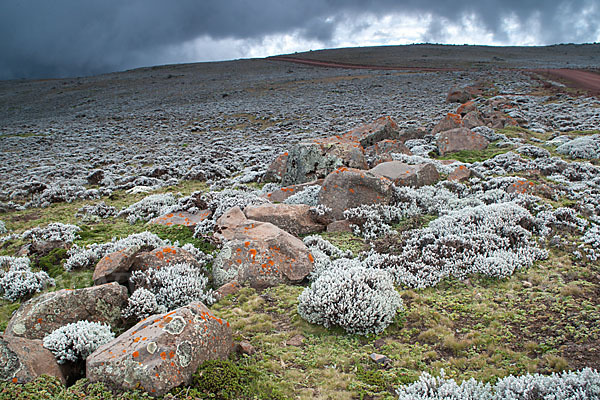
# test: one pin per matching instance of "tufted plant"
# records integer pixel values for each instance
(76, 341)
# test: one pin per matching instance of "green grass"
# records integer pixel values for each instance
(471, 156)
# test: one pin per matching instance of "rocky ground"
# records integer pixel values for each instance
(188, 143)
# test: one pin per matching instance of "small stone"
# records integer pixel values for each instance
(244, 347)
(380, 359)
(296, 341)
(379, 343)
(527, 284)
(339, 226)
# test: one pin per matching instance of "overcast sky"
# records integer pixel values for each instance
(58, 38)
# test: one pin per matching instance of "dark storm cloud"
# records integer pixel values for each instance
(76, 37)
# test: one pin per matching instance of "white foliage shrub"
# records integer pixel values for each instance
(141, 304)
(172, 286)
(220, 202)
(17, 281)
(83, 257)
(96, 212)
(591, 238)
(76, 341)
(3, 229)
(373, 220)
(493, 240)
(358, 299)
(310, 196)
(587, 147)
(54, 232)
(568, 385)
(316, 242)
(149, 207)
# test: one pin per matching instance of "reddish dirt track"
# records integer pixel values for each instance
(329, 64)
(589, 81)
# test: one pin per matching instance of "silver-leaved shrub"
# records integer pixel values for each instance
(17, 281)
(149, 207)
(96, 212)
(76, 341)
(3, 229)
(586, 147)
(167, 288)
(310, 196)
(358, 299)
(54, 232)
(567, 385)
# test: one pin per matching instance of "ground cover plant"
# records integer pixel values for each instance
(493, 281)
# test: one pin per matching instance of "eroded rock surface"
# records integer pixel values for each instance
(181, 218)
(292, 218)
(162, 351)
(41, 315)
(408, 175)
(23, 360)
(460, 139)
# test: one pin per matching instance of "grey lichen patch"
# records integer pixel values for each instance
(176, 326)
(133, 373)
(19, 329)
(184, 353)
(108, 311)
(9, 362)
(151, 347)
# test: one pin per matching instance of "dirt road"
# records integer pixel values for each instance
(330, 64)
(588, 81)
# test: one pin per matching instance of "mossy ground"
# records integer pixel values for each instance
(542, 319)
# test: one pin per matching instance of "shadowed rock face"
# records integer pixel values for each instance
(43, 314)
(348, 188)
(23, 360)
(162, 351)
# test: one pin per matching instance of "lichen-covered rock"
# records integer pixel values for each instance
(308, 161)
(292, 218)
(282, 194)
(261, 255)
(227, 289)
(369, 134)
(181, 218)
(460, 95)
(460, 173)
(450, 121)
(277, 168)
(227, 223)
(382, 151)
(347, 188)
(115, 267)
(162, 351)
(41, 315)
(459, 139)
(23, 360)
(162, 256)
(408, 175)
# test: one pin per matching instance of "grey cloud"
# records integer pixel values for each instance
(41, 38)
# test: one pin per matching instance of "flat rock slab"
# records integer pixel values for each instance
(23, 360)
(261, 255)
(292, 218)
(181, 218)
(277, 168)
(162, 351)
(41, 315)
(408, 175)
(347, 188)
(450, 121)
(460, 173)
(460, 139)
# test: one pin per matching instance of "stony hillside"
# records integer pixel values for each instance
(270, 229)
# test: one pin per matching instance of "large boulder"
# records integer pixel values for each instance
(41, 315)
(408, 175)
(460, 139)
(181, 218)
(382, 151)
(348, 188)
(259, 254)
(162, 351)
(115, 267)
(23, 360)
(292, 218)
(308, 161)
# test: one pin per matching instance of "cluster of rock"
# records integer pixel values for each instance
(260, 248)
